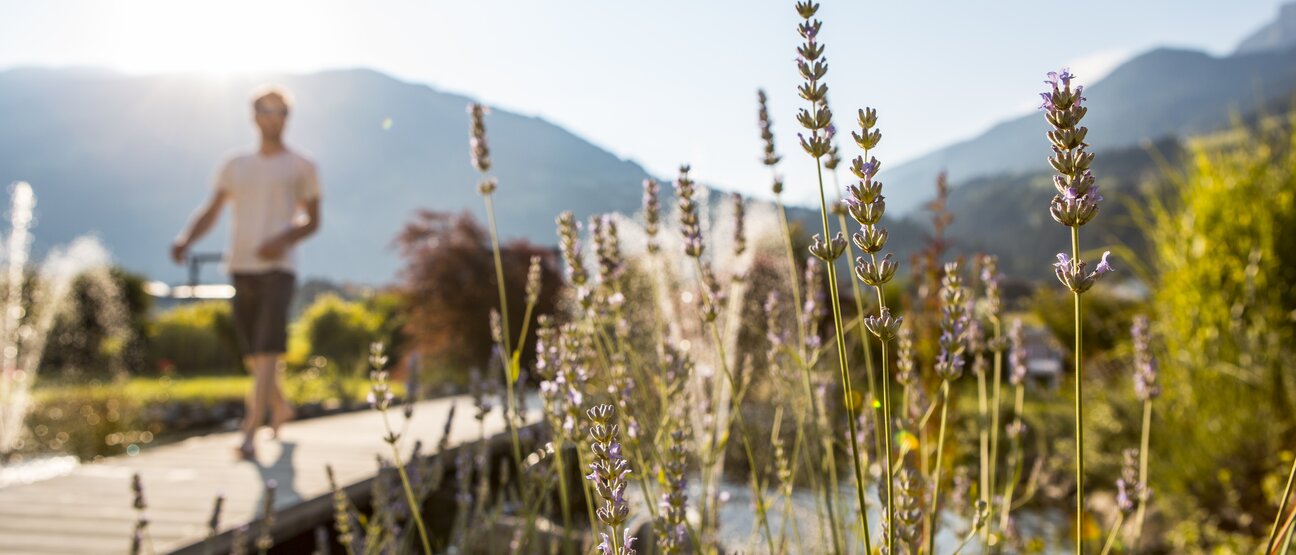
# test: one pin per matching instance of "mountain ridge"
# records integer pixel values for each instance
(1164, 91)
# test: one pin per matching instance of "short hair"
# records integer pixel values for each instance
(272, 91)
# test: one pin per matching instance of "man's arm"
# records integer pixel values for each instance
(302, 228)
(198, 226)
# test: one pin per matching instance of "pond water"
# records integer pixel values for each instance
(1045, 531)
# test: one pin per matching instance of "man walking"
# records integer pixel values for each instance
(274, 195)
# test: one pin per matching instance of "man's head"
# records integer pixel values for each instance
(270, 107)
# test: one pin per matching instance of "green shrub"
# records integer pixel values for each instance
(1223, 251)
(195, 337)
(336, 329)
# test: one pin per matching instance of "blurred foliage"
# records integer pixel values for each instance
(1225, 260)
(336, 329)
(331, 338)
(1106, 322)
(103, 418)
(450, 286)
(194, 338)
(103, 327)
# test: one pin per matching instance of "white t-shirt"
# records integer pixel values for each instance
(264, 193)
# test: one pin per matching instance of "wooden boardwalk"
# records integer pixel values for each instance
(89, 510)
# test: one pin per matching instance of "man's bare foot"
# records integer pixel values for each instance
(246, 451)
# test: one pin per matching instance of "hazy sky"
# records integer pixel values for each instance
(659, 82)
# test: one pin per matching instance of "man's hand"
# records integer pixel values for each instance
(179, 252)
(274, 248)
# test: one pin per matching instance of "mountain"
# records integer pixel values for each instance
(129, 158)
(1007, 214)
(1163, 92)
(1280, 34)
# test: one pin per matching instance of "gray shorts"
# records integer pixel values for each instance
(261, 311)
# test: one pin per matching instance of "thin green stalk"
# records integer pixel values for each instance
(983, 411)
(1282, 509)
(829, 457)
(1079, 404)
(742, 428)
(516, 355)
(886, 412)
(416, 508)
(563, 500)
(934, 518)
(1015, 456)
(643, 482)
(1111, 537)
(511, 400)
(966, 539)
(815, 485)
(1143, 473)
(1287, 543)
(792, 268)
(585, 487)
(995, 407)
(847, 391)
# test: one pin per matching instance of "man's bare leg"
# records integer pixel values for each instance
(281, 409)
(262, 367)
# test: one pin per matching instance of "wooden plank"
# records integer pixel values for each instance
(89, 510)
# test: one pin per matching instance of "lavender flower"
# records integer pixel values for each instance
(478, 148)
(607, 248)
(1016, 354)
(883, 325)
(1074, 274)
(569, 243)
(533, 282)
(341, 513)
(815, 302)
(1145, 366)
(1077, 197)
(813, 67)
(480, 389)
(712, 295)
(608, 477)
(773, 330)
(213, 522)
(873, 272)
(740, 234)
(574, 350)
(547, 365)
(137, 490)
(238, 544)
(141, 519)
(463, 496)
(830, 250)
(771, 157)
(264, 539)
(690, 224)
(672, 531)
(905, 373)
(380, 395)
(1129, 492)
(652, 212)
(953, 324)
(991, 277)
(908, 515)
